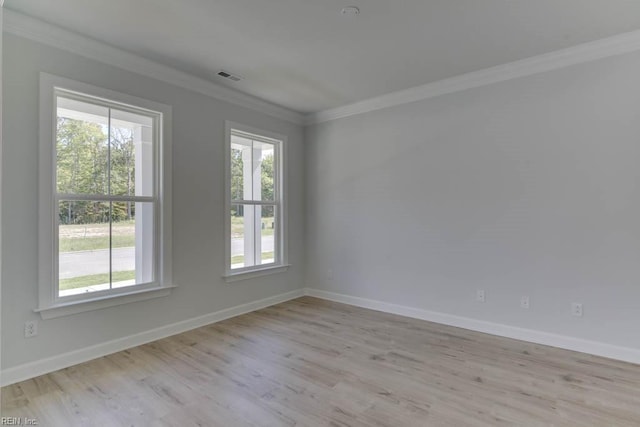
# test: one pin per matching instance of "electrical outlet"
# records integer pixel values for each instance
(330, 274)
(576, 309)
(524, 302)
(30, 329)
(480, 295)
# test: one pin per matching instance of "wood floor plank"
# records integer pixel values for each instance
(310, 362)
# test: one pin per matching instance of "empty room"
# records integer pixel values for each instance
(320, 213)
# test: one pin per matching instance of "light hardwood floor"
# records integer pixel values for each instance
(313, 363)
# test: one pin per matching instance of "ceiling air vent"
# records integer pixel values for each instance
(229, 76)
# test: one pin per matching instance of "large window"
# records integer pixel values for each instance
(106, 205)
(255, 201)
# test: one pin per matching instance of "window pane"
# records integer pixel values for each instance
(265, 156)
(131, 154)
(83, 247)
(243, 219)
(268, 234)
(132, 236)
(254, 177)
(253, 235)
(237, 166)
(95, 255)
(241, 172)
(81, 147)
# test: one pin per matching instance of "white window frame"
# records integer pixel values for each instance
(280, 263)
(49, 304)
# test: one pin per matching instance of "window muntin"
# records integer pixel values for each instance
(106, 196)
(255, 202)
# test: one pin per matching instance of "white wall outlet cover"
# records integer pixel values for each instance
(576, 309)
(480, 295)
(30, 329)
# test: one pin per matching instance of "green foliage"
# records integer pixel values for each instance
(83, 154)
(267, 179)
(96, 279)
(81, 150)
(236, 174)
(237, 259)
(97, 242)
(96, 236)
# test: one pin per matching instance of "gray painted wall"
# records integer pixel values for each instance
(1, 150)
(526, 187)
(198, 235)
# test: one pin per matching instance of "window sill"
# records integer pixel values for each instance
(250, 274)
(67, 309)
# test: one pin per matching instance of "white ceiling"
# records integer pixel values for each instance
(306, 56)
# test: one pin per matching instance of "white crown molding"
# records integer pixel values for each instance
(42, 32)
(599, 49)
(626, 354)
(61, 361)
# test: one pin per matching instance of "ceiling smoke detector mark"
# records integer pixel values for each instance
(350, 11)
(227, 75)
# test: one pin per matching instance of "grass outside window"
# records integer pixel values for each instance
(96, 279)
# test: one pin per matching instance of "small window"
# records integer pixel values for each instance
(107, 205)
(255, 208)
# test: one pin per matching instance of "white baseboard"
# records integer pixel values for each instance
(45, 366)
(625, 354)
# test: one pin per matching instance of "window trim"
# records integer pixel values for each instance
(282, 247)
(49, 305)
